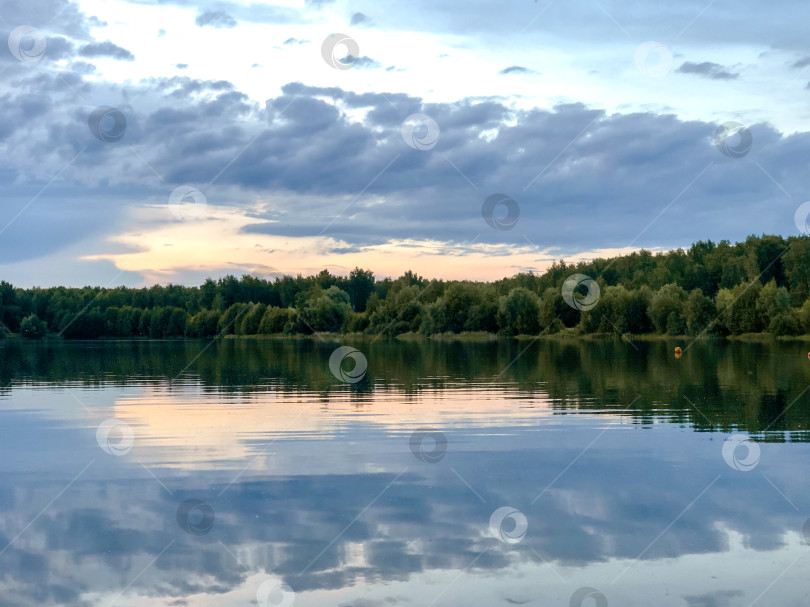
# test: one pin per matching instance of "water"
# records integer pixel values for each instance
(502, 473)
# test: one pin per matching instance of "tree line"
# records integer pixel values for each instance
(759, 285)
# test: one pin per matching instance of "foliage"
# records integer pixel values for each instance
(465, 306)
(400, 312)
(276, 320)
(761, 284)
(33, 328)
(519, 313)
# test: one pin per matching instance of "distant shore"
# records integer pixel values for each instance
(466, 336)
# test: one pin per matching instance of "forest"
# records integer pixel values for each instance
(761, 285)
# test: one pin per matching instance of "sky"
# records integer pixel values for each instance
(150, 142)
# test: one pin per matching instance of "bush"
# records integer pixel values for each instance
(276, 320)
(675, 324)
(356, 322)
(786, 323)
(33, 328)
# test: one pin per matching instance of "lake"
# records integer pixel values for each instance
(284, 472)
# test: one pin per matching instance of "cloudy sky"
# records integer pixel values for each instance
(153, 142)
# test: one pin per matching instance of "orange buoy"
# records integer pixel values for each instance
(808, 355)
(679, 352)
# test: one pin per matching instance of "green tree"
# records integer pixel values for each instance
(519, 313)
(786, 323)
(737, 308)
(772, 301)
(202, 324)
(611, 313)
(277, 320)
(360, 286)
(700, 313)
(230, 317)
(676, 324)
(176, 323)
(804, 316)
(402, 311)
(768, 251)
(158, 322)
(208, 291)
(86, 325)
(144, 322)
(33, 328)
(669, 298)
(326, 312)
(463, 307)
(797, 268)
(249, 324)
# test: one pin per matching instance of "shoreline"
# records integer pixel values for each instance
(467, 337)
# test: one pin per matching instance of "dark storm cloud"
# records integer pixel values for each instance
(215, 19)
(106, 49)
(707, 69)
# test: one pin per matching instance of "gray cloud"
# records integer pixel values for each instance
(61, 16)
(517, 69)
(583, 178)
(219, 19)
(58, 48)
(362, 63)
(596, 190)
(722, 598)
(707, 69)
(570, 25)
(359, 19)
(82, 67)
(106, 49)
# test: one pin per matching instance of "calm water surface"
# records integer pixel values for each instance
(506, 473)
